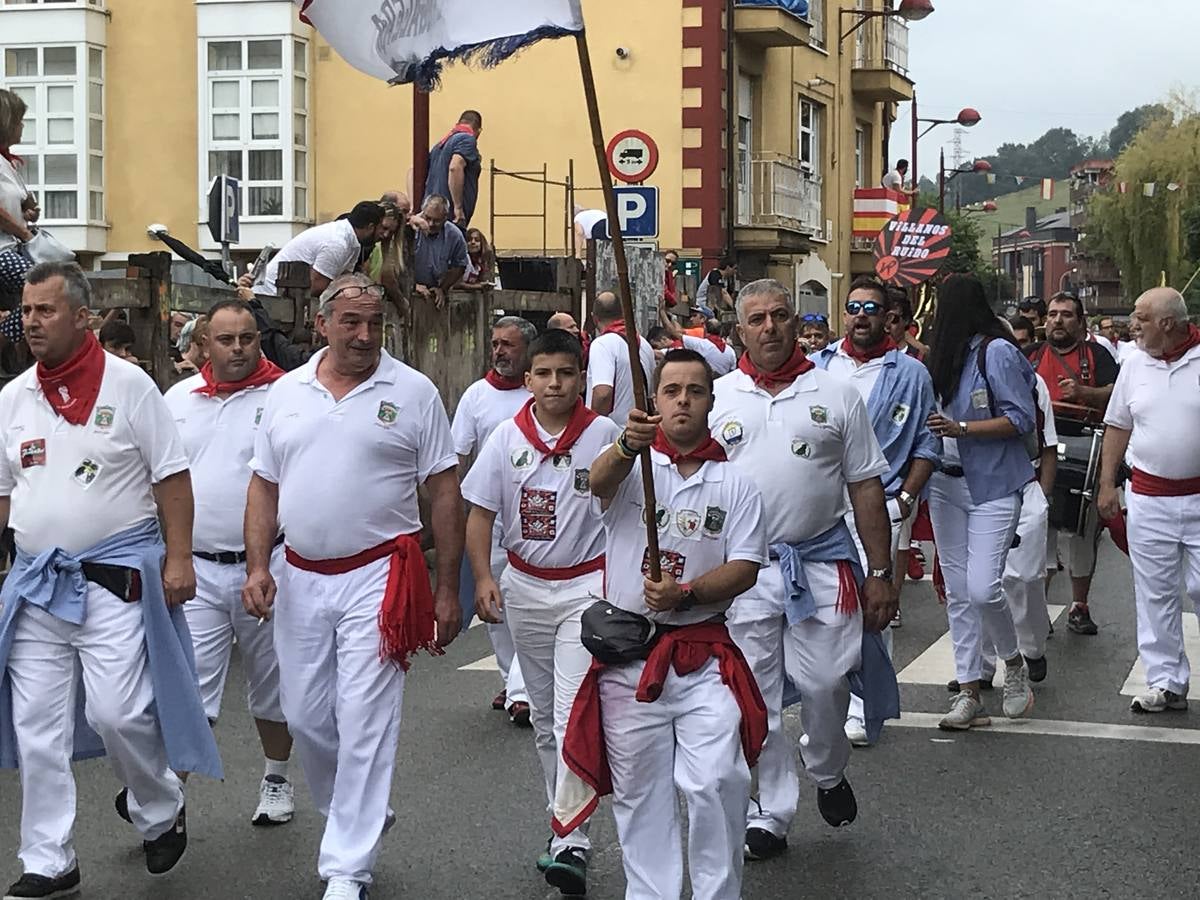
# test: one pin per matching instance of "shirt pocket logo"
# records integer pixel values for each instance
(900, 413)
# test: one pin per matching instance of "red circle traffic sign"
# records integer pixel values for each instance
(632, 156)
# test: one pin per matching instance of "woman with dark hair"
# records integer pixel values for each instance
(481, 272)
(985, 389)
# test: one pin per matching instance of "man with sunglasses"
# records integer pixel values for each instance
(899, 396)
(814, 332)
(1080, 375)
(1034, 309)
(355, 602)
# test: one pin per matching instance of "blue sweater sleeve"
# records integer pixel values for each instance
(1010, 378)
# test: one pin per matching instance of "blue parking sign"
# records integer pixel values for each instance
(637, 211)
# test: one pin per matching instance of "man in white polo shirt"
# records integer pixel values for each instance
(89, 613)
(1154, 414)
(495, 398)
(686, 718)
(355, 602)
(532, 480)
(609, 378)
(716, 352)
(217, 412)
(331, 249)
(805, 439)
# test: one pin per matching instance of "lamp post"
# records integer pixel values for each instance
(908, 10)
(944, 177)
(967, 117)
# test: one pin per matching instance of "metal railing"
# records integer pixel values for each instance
(884, 45)
(783, 194)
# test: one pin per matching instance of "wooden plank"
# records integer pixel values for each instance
(119, 293)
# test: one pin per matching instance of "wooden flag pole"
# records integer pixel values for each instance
(631, 335)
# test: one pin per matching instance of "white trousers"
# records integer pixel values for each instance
(686, 740)
(110, 649)
(817, 655)
(1024, 580)
(342, 705)
(973, 541)
(500, 635)
(1164, 547)
(544, 617)
(216, 618)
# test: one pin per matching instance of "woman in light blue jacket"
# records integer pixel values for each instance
(985, 390)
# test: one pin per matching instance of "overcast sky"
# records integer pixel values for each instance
(1031, 65)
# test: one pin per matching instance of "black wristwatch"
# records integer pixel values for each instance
(688, 600)
(884, 574)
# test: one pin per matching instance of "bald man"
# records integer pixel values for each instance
(564, 321)
(1154, 414)
(609, 377)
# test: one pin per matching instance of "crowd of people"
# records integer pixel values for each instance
(651, 622)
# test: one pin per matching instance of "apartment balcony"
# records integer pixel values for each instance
(880, 72)
(780, 207)
(771, 23)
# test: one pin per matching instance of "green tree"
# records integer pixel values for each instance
(965, 235)
(1132, 122)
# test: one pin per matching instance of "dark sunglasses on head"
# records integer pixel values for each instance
(814, 317)
(869, 308)
(1029, 304)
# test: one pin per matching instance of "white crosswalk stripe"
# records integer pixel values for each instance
(1136, 682)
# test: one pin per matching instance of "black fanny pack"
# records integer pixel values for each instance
(615, 636)
(126, 583)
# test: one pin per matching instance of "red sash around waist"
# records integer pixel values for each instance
(1153, 486)
(406, 622)
(550, 574)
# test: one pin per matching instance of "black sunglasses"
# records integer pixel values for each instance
(869, 307)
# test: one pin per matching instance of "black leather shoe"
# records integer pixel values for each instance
(1037, 668)
(40, 887)
(838, 806)
(164, 851)
(761, 844)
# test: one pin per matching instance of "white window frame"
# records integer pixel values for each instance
(745, 146)
(84, 85)
(816, 22)
(293, 132)
(57, 4)
(860, 156)
(808, 149)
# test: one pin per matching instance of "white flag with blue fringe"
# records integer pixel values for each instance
(405, 41)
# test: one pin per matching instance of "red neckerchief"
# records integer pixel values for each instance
(581, 418)
(1192, 339)
(796, 366)
(709, 451)
(870, 353)
(617, 327)
(72, 388)
(7, 153)
(266, 372)
(460, 128)
(500, 383)
(717, 341)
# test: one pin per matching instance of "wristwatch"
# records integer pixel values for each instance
(907, 499)
(962, 429)
(688, 600)
(883, 574)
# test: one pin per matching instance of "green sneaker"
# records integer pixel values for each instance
(545, 861)
(568, 873)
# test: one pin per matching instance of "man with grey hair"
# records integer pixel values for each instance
(355, 600)
(440, 252)
(497, 397)
(805, 439)
(609, 377)
(1154, 416)
(91, 464)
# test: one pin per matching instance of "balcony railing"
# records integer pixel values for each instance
(783, 194)
(883, 45)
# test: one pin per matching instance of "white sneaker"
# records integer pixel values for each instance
(856, 733)
(276, 801)
(1158, 700)
(965, 712)
(1018, 695)
(345, 889)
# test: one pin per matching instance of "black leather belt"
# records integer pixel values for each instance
(953, 471)
(229, 557)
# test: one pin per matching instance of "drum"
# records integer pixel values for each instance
(1076, 481)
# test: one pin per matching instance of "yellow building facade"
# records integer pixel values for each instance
(765, 123)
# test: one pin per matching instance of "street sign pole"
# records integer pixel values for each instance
(224, 217)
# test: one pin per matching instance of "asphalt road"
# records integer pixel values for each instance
(1089, 811)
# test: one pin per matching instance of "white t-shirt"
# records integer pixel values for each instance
(863, 378)
(801, 448)
(218, 436)
(720, 361)
(331, 249)
(704, 521)
(544, 505)
(348, 470)
(12, 194)
(587, 219)
(608, 364)
(480, 409)
(1160, 403)
(1046, 408)
(73, 486)
(893, 180)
